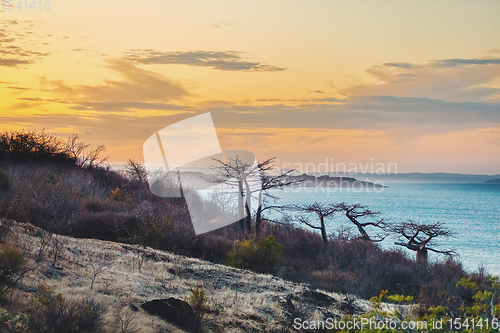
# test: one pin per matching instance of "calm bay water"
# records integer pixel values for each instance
(471, 211)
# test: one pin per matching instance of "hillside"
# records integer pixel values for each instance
(129, 275)
(305, 180)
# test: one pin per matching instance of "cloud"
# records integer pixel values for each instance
(226, 61)
(126, 106)
(404, 65)
(38, 99)
(13, 62)
(323, 100)
(222, 24)
(19, 88)
(453, 63)
(363, 112)
(457, 80)
(13, 55)
(136, 85)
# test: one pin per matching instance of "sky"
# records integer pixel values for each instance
(411, 83)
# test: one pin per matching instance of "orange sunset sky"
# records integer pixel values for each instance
(415, 83)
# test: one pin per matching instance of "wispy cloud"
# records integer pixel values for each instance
(222, 24)
(458, 80)
(12, 52)
(137, 85)
(362, 112)
(13, 62)
(452, 63)
(226, 61)
(126, 106)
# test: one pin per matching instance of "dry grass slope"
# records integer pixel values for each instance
(124, 276)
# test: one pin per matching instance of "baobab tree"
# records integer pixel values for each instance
(322, 211)
(419, 236)
(269, 181)
(357, 211)
(252, 179)
(242, 174)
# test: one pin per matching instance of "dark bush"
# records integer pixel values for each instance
(4, 181)
(12, 262)
(52, 313)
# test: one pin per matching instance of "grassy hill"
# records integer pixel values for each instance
(129, 275)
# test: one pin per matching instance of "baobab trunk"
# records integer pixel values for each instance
(258, 215)
(248, 207)
(241, 212)
(422, 255)
(323, 230)
(364, 234)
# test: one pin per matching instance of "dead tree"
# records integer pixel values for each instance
(355, 212)
(418, 237)
(252, 179)
(136, 171)
(83, 154)
(322, 211)
(240, 174)
(269, 181)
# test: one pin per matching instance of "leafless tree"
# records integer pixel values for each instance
(238, 173)
(252, 179)
(322, 211)
(57, 245)
(75, 147)
(125, 320)
(83, 154)
(269, 180)
(136, 171)
(97, 267)
(417, 237)
(355, 212)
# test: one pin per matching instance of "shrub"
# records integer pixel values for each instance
(12, 262)
(12, 323)
(52, 313)
(119, 194)
(263, 256)
(4, 181)
(198, 301)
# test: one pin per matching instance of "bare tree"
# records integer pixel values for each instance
(418, 237)
(75, 147)
(252, 179)
(125, 320)
(241, 174)
(83, 154)
(136, 171)
(57, 245)
(98, 267)
(355, 212)
(322, 211)
(280, 180)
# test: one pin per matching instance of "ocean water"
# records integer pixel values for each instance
(471, 211)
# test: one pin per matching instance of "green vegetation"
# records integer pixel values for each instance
(263, 256)
(198, 301)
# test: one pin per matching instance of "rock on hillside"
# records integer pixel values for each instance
(123, 277)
